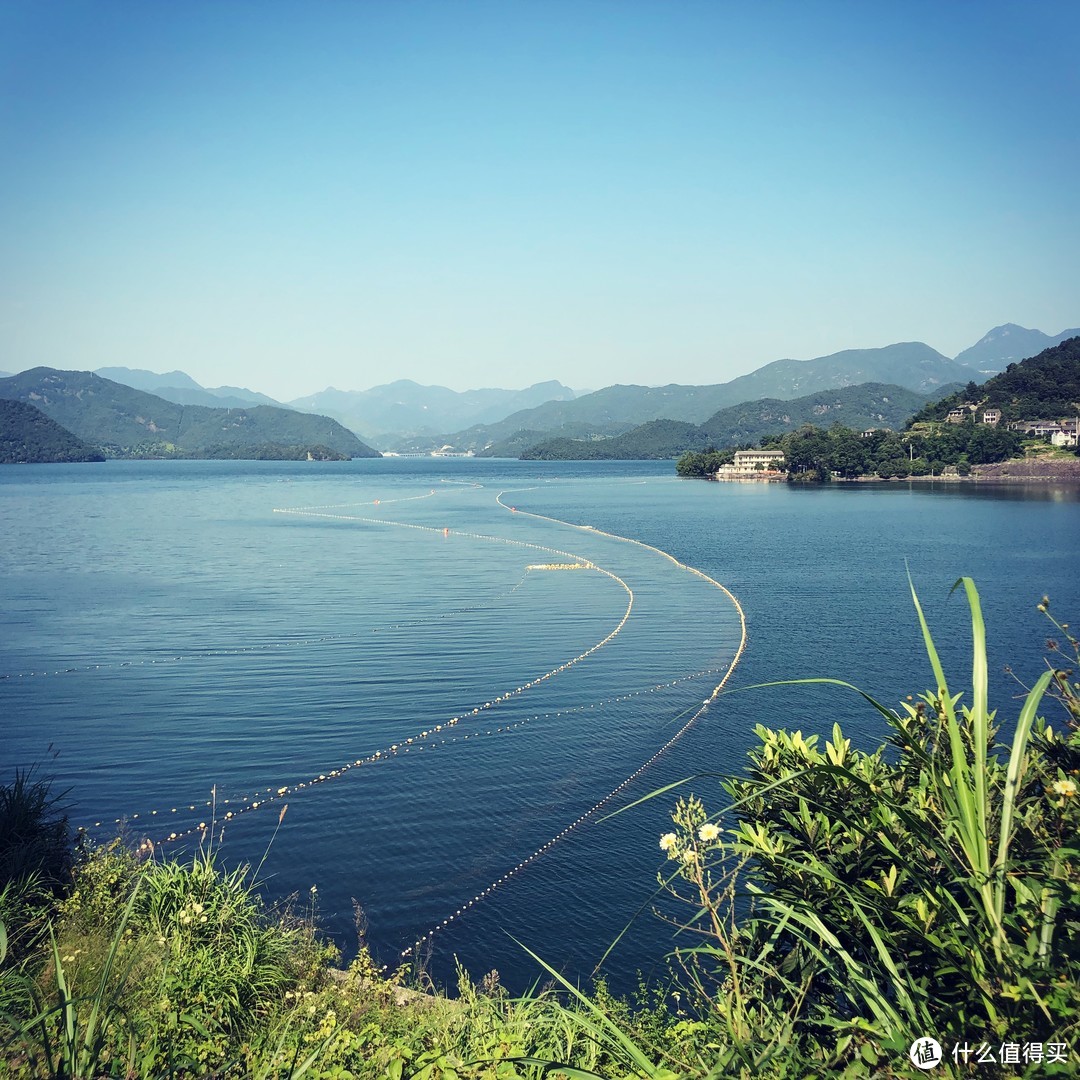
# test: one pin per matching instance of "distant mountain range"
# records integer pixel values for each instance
(405, 416)
(612, 411)
(123, 421)
(867, 405)
(406, 409)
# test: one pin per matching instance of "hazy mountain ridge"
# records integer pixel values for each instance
(149, 381)
(1009, 344)
(911, 364)
(406, 409)
(182, 389)
(217, 398)
(868, 405)
(914, 366)
(122, 420)
(610, 411)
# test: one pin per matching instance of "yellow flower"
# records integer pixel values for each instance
(1063, 787)
(708, 832)
(667, 841)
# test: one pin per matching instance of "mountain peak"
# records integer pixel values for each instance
(150, 381)
(1008, 344)
(1005, 330)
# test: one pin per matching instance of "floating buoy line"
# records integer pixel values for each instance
(376, 502)
(426, 939)
(247, 803)
(433, 736)
(275, 794)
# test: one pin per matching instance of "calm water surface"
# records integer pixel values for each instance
(167, 630)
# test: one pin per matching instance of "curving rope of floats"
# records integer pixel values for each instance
(374, 502)
(425, 739)
(413, 744)
(590, 813)
(274, 795)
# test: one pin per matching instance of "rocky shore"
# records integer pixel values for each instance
(1044, 470)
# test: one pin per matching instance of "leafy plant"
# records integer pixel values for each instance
(73, 1036)
(847, 902)
(222, 963)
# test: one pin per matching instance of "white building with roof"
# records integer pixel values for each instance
(753, 465)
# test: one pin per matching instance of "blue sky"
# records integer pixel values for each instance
(287, 196)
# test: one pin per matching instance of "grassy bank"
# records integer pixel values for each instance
(843, 908)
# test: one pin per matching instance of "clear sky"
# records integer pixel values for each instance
(287, 196)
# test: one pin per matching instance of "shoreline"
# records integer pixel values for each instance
(1058, 471)
(1045, 471)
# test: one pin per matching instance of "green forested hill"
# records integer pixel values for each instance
(656, 439)
(525, 438)
(870, 405)
(1046, 386)
(28, 435)
(128, 422)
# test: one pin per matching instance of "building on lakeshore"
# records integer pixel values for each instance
(1068, 435)
(1059, 432)
(753, 465)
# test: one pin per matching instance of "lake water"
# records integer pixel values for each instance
(173, 627)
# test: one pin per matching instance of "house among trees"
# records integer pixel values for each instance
(1040, 429)
(1068, 434)
(991, 417)
(753, 465)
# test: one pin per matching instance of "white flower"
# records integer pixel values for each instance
(668, 841)
(1059, 787)
(708, 832)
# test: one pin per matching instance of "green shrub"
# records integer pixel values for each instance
(850, 902)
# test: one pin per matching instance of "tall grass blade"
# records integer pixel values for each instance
(604, 1027)
(979, 716)
(1013, 778)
